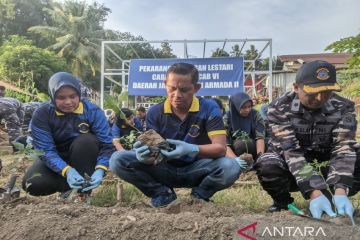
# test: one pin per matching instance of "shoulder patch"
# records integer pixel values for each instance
(349, 119)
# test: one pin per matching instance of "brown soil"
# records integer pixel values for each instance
(151, 138)
(155, 142)
(47, 218)
(249, 176)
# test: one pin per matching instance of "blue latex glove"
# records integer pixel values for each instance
(242, 163)
(74, 179)
(142, 152)
(319, 205)
(343, 205)
(182, 149)
(96, 179)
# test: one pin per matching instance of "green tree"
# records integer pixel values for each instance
(220, 53)
(165, 51)
(16, 16)
(251, 53)
(235, 51)
(348, 45)
(78, 30)
(136, 50)
(276, 64)
(27, 66)
(352, 89)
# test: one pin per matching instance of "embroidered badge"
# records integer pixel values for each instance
(322, 74)
(83, 127)
(194, 131)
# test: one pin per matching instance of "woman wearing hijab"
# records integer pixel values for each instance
(246, 130)
(75, 139)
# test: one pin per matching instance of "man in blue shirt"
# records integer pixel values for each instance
(195, 128)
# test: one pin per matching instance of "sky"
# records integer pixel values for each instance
(295, 26)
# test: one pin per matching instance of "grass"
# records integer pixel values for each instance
(106, 195)
(244, 199)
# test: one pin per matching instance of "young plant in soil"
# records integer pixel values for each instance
(241, 136)
(309, 169)
(128, 141)
(25, 153)
(27, 150)
(29, 153)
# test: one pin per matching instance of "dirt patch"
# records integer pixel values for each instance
(47, 218)
(39, 219)
(249, 176)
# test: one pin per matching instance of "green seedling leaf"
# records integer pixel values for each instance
(306, 171)
(32, 156)
(29, 146)
(37, 152)
(241, 135)
(128, 141)
(18, 146)
(122, 115)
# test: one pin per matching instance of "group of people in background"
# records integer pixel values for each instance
(309, 123)
(16, 115)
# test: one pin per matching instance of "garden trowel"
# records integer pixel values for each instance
(9, 191)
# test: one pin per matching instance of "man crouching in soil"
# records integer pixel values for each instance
(312, 123)
(195, 130)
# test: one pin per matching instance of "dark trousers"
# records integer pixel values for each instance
(278, 182)
(204, 176)
(39, 180)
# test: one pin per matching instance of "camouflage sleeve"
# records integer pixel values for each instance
(343, 154)
(284, 142)
(259, 126)
(21, 113)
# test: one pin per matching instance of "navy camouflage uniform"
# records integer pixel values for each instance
(29, 109)
(12, 111)
(297, 136)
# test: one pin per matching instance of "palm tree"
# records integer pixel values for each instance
(77, 34)
(235, 51)
(219, 53)
(251, 53)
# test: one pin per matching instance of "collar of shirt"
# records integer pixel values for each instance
(195, 105)
(78, 110)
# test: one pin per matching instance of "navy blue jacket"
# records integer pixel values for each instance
(53, 132)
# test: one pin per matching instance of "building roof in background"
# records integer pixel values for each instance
(293, 62)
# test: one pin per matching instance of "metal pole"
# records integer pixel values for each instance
(102, 75)
(270, 72)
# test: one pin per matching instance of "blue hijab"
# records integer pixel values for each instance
(246, 124)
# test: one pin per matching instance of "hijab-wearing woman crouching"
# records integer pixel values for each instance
(74, 137)
(246, 130)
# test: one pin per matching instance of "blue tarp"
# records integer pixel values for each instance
(218, 76)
